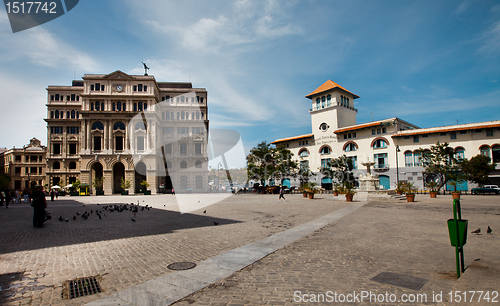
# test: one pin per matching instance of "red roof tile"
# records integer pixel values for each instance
(328, 85)
(292, 138)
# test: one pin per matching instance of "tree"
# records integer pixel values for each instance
(340, 169)
(98, 182)
(477, 169)
(265, 162)
(441, 160)
(4, 181)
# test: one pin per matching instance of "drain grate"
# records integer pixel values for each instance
(81, 287)
(184, 265)
(400, 280)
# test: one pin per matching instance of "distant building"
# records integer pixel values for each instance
(24, 165)
(120, 126)
(335, 132)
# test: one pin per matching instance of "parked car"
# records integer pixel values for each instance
(484, 189)
(492, 186)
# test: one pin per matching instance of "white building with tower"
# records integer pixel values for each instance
(392, 144)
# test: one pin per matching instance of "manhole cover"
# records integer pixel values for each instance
(185, 265)
(80, 287)
(400, 280)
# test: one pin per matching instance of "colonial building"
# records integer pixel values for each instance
(25, 165)
(128, 127)
(393, 144)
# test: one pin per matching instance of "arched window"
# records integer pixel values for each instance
(350, 147)
(140, 106)
(417, 158)
(98, 125)
(459, 153)
(52, 115)
(408, 159)
(197, 115)
(317, 103)
(485, 150)
(303, 153)
(67, 115)
(97, 106)
(113, 108)
(380, 143)
(140, 126)
(57, 114)
(328, 100)
(495, 150)
(119, 126)
(197, 164)
(184, 165)
(192, 116)
(56, 165)
(178, 116)
(72, 165)
(183, 115)
(323, 99)
(135, 107)
(73, 114)
(347, 102)
(92, 106)
(341, 100)
(325, 150)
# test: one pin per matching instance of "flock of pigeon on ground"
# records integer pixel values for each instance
(114, 207)
(478, 231)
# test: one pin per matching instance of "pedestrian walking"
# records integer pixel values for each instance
(52, 195)
(26, 195)
(2, 197)
(282, 194)
(18, 196)
(39, 205)
(173, 192)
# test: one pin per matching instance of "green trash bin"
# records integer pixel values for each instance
(462, 232)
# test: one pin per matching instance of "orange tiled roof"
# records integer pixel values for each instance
(444, 129)
(327, 86)
(292, 138)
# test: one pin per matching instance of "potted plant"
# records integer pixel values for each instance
(98, 182)
(349, 191)
(125, 184)
(336, 189)
(432, 185)
(146, 185)
(454, 194)
(399, 187)
(309, 189)
(74, 188)
(410, 189)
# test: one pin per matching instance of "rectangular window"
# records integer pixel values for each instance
(408, 159)
(353, 135)
(17, 170)
(168, 149)
(33, 170)
(102, 87)
(380, 160)
(119, 143)
(415, 138)
(489, 132)
(97, 143)
(57, 97)
(324, 163)
(197, 148)
(40, 170)
(67, 98)
(139, 87)
(345, 136)
(73, 97)
(72, 148)
(169, 130)
(349, 135)
(140, 143)
(135, 87)
(453, 135)
(183, 148)
(416, 159)
(378, 131)
(145, 88)
(97, 86)
(51, 97)
(384, 130)
(184, 182)
(56, 148)
(18, 158)
(33, 158)
(26, 170)
(199, 182)
(373, 132)
(307, 141)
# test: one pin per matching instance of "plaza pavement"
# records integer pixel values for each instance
(262, 252)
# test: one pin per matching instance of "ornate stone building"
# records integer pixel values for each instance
(25, 165)
(131, 127)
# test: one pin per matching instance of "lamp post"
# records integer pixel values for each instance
(218, 179)
(397, 164)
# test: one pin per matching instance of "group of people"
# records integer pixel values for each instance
(14, 196)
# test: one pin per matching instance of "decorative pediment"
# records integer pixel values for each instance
(118, 75)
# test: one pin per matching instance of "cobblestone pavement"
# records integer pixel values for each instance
(34, 262)
(386, 235)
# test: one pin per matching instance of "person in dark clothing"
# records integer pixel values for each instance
(52, 195)
(39, 204)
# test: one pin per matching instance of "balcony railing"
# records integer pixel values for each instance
(381, 167)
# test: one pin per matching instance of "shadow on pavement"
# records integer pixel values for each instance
(18, 233)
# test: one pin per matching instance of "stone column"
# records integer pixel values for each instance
(152, 178)
(108, 181)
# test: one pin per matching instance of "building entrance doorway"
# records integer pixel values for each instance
(118, 175)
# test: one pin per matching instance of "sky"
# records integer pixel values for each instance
(431, 63)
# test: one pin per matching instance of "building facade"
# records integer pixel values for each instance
(25, 166)
(122, 127)
(393, 144)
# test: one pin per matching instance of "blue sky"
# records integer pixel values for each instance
(428, 62)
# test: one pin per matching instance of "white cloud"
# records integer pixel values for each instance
(491, 40)
(462, 7)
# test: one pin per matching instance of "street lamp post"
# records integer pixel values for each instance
(218, 176)
(397, 164)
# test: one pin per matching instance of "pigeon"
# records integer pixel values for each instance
(133, 220)
(205, 212)
(74, 218)
(66, 219)
(476, 231)
(77, 214)
(216, 223)
(60, 218)
(489, 231)
(142, 208)
(83, 205)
